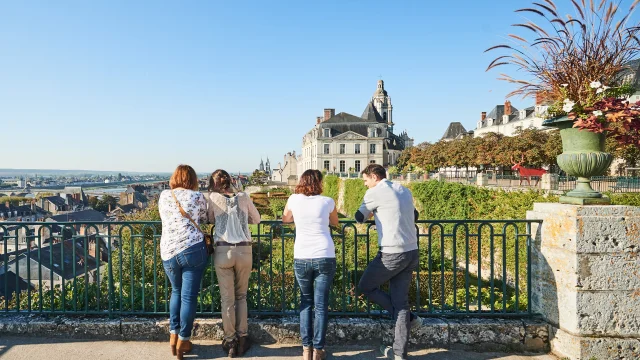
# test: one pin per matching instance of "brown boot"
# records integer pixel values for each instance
(173, 340)
(307, 353)
(319, 354)
(230, 347)
(243, 345)
(182, 347)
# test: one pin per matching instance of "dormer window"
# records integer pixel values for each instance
(327, 132)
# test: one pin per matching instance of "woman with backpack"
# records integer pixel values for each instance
(231, 213)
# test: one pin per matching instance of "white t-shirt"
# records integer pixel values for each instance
(311, 216)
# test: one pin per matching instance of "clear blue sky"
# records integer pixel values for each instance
(146, 85)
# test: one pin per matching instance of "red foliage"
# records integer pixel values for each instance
(620, 119)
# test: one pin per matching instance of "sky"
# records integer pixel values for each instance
(147, 85)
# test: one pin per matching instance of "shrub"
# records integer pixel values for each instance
(330, 186)
(354, 190)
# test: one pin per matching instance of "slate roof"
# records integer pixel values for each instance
(8, 286)
(453, 131)
(344, 117)
(496, 115)
(61, 255)
(371, 114)
(56, 200)
(127, 209)
(84, 215)
(140, 197)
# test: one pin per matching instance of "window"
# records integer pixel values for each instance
(326, 148)
(326, 133)
(342, 165)
(372, 148)
(357, 165)
(326, 165)
(357, 149)
(343, 148)
(372, 162)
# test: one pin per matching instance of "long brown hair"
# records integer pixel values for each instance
(220, 181)
(184, 177)
(310, 183)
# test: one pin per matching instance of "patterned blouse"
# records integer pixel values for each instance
(178, 233)
(231, 216)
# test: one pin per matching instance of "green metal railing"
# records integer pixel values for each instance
(467, 267)
(622, 184)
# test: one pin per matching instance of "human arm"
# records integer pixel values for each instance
(252, 211)
(366, 210)
(333, 217)
(202, 208)
(287, 214)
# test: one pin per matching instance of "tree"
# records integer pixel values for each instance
(93, 201)
(107, 202)
(258, 178)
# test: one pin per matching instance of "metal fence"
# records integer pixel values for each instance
(467, 267)
(616, 184)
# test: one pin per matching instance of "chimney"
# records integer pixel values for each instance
(483, 115)
(318, 119)
(507, 107)
(329, 113)
(33, 206)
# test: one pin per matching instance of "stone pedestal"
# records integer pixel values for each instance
(549, 182)
(482, 179)
(410, 177)
(441, 177)
(586, 279)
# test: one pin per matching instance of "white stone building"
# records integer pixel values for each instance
(287, 173)
(506, 119)
(348, 143)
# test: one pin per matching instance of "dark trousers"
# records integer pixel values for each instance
(397, 269)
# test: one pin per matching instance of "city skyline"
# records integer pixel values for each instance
(145, 86)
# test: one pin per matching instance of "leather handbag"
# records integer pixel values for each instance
(208, 239)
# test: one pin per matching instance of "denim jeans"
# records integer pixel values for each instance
(314, 278)
(397, 269)
(185, 272)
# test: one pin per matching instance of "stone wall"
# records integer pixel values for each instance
(586, 279)
(465, 334)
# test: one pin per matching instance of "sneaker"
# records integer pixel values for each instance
(387, 352)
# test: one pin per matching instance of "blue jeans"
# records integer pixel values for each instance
(185, 273)
(314, 277)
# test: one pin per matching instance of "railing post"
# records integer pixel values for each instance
(585, 283)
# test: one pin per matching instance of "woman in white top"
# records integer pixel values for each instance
(183, 253)
(314, 258)
(232, 213)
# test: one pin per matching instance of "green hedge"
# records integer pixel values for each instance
(447, 200)
(354, 190)
(330, 186)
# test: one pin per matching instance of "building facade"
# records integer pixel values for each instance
(347, 143)
(287, 173)
(506, 119)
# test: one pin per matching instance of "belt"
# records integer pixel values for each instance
(224, 243)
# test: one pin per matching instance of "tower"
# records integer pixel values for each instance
(268, 166)
(261, 165)
(382, 102)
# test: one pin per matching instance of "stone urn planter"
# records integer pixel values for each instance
(583, 156)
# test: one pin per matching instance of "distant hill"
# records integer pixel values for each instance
(46, 172)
